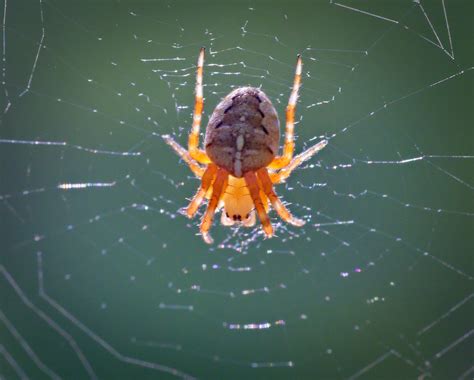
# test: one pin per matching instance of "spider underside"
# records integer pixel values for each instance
(240, 165)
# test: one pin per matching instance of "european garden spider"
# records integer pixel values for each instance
(241, 165)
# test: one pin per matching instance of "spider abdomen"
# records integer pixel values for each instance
(243, 132)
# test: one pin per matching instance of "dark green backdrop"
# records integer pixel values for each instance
(102, 277)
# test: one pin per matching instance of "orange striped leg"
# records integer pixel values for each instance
(217, 189)
(284, 173)
(289, 146)
(254, 189)
(185, 156)
(193, 141)
(206, 183)
(267, 187)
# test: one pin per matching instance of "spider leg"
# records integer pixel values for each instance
(206, 183)
(185, 156)
(284, 173)
(193, 141)
(283, 212)
(218, 188)
(254, 189)
(289, 146)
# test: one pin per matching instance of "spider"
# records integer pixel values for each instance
(240, 159)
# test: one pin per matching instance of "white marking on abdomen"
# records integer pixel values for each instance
(238, 168)
(239, 145)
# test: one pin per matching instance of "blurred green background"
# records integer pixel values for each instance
(108, 280)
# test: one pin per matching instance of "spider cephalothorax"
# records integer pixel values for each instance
(242, 140)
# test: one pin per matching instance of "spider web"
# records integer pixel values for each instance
(102, 277)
